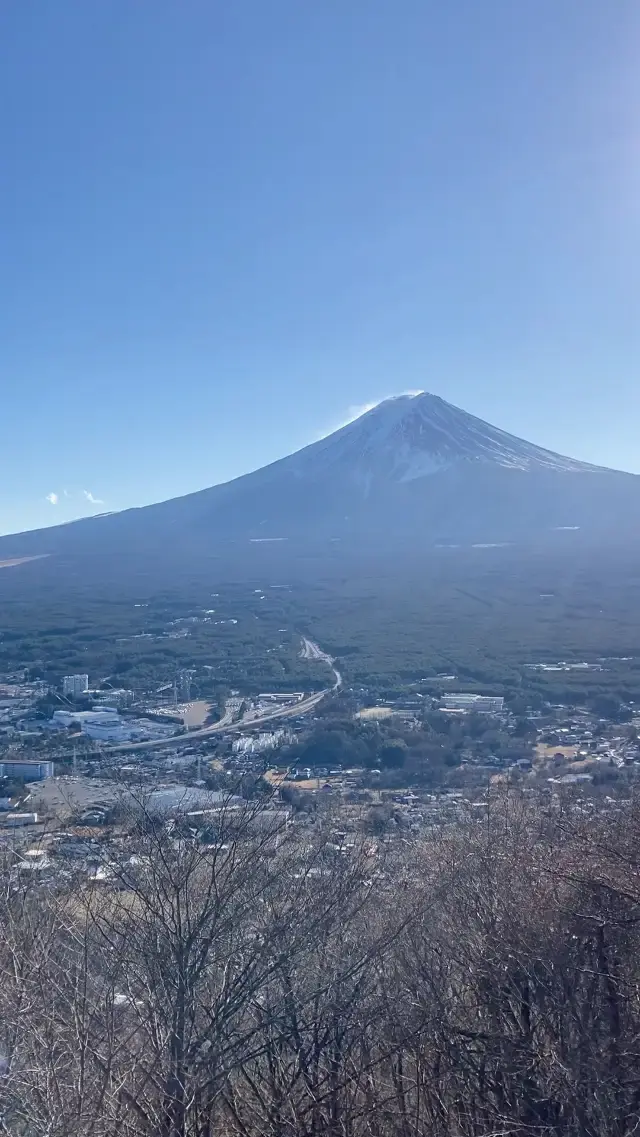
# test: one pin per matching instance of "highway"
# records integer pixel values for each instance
(310, 650)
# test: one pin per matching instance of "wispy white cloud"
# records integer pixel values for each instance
(52, 498)
(94, 500)
(359, 409)
(67, 494)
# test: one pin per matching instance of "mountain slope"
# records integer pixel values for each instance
(414, 470)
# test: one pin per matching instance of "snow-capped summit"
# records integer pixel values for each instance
(412, 436)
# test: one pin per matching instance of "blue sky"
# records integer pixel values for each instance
(225, 225)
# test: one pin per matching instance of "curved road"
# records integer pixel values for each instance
(310, 650)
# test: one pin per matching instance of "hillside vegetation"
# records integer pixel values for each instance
(483, 981)
(482, 615)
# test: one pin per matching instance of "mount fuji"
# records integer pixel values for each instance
(413, 472)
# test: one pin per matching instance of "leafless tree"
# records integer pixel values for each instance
(267, 981)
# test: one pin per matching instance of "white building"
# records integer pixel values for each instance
(494, 704)
(75, 685)
(264, 741)
(107, 732)
(103, 726)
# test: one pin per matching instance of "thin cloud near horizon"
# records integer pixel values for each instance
(54, 499)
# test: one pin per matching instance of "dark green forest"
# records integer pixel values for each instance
(485, 616)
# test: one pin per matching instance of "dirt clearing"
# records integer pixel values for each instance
(11, 562)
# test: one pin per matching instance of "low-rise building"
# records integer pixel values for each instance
(28, 771)
(494, 704)
(17, 820)
(104, 725)
(266, 740)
